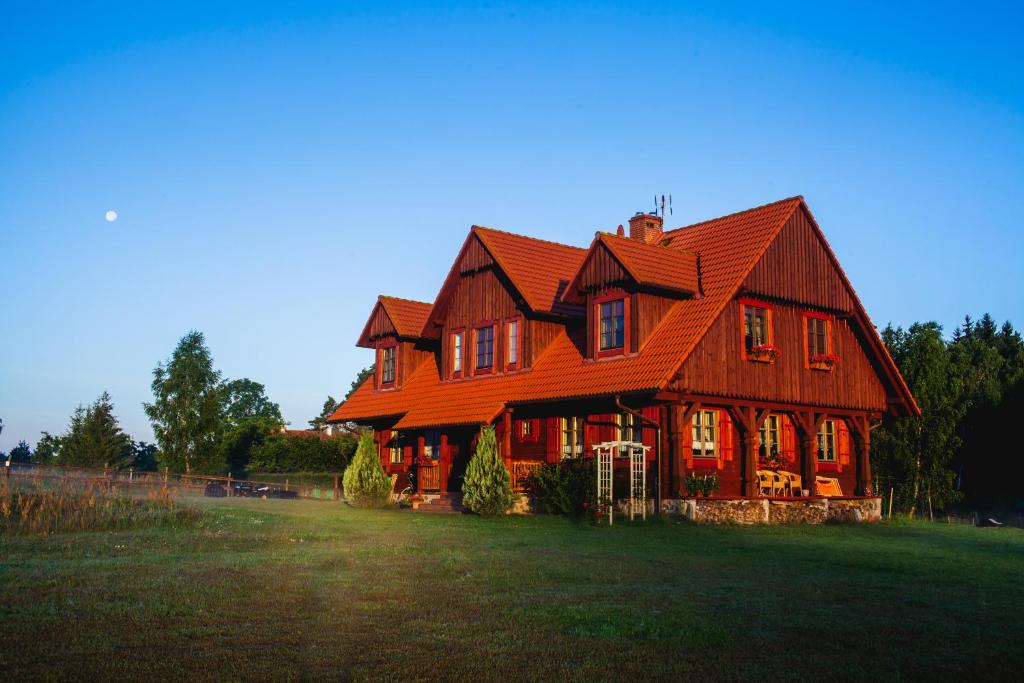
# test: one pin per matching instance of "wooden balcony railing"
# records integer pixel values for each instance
(521, 471)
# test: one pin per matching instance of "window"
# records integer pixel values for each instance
(705, 427)
(387, 365)
(827, 441)
(769, 436)
(485, 348)
(457, 352)
(512, 342)
(572, 437)
(613, 325)
(755, 327)
(432, 444)
(630, 428)
(395, 455)
(525, 429)
(817, 337)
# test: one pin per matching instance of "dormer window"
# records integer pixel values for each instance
(484, 349)
(613, 324)
(610, 325)
(387, 365)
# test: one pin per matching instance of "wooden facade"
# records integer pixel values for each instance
(713, 376)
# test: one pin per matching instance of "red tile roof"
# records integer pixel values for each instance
(539, 269)
(650, 265)
(729, 247)
(408, 316)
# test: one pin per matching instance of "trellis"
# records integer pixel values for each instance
(606, 453)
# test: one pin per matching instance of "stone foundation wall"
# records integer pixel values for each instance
(766, 511)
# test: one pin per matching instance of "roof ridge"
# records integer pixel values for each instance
(528, 237)
(381, 297)
(798, 197)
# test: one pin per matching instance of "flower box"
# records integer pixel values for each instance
(763, 353)
(824, 361)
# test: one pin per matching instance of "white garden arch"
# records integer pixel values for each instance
(606, 453)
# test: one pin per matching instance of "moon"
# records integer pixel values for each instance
(111, 216)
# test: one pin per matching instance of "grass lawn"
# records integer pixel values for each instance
(310, 589)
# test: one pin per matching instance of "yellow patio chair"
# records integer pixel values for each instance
(793, 483)
(769, 483)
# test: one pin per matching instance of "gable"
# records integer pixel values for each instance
(392, 316)
(797, 267)
(717, 365)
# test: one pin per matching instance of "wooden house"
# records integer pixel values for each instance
(735, 347)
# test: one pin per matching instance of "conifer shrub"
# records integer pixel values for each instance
(487, 487)
(365, 481)
(567, 488)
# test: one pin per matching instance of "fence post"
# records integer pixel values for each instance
(285, 484)
(229, 484)
(337, 487)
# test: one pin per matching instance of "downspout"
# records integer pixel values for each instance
(657, 448)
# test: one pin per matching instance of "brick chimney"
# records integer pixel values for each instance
(645, 227)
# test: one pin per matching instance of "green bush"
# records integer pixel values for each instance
(365, 481)
(487, 487)
(568, 488)
(284, 453)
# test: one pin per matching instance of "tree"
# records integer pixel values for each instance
(21, 453)
(94, 438)
(366, 483)
(912, 455)
(144, 456)
(249, 417)
(245, 400)
(186, 408)
(363, 375)
(48, 448)
(991, 362)
(487, 487)
(330, 405)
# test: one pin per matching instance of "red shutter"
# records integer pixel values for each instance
(789, 441)
(725, 437)
(843, 444)
(687, 443)
(554, 438)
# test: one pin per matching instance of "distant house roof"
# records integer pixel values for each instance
(729, 248)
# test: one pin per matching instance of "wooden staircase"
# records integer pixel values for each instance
(441, 502)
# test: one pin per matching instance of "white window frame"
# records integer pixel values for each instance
(457, 346)
(827, 441)
(512, 339)
(703, 423)
(768, 434)
(570, 426)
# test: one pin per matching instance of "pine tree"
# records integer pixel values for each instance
(487, 487)
(318, 422)
(94, 438)
(186, 412)
(366, 483)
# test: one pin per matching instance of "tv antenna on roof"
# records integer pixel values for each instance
(661, 204)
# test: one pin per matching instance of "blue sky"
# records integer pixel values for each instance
(275, 166)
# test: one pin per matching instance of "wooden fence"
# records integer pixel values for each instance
(195, 484)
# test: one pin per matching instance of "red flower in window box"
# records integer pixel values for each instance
(766, 353)
(824, 361)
